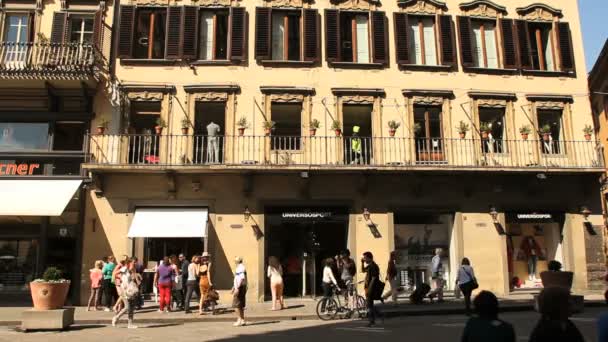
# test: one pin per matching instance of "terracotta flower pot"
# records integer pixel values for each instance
(241, 131)
(462, 135)
(338, 132)
(185, 130)
(587, 137)
(158, 129)
(313, 132)
(546, 136)
(391, 132)
(101, 130)
(49, 296)
(484, 135)
(524, 136)
(267, 131)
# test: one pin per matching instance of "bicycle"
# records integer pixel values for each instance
(330, 307)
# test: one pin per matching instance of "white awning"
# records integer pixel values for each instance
(36, 197)
(169, 222)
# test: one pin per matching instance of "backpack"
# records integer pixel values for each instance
(129, 286)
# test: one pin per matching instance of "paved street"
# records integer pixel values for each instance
(421, 328)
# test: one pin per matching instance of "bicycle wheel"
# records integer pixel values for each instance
(327, 309)
(361, 307)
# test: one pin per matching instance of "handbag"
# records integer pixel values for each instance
(474, 284)
(378, 290)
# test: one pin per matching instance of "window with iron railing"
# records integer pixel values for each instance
(550, 124)
(492, 121)
(287, 132)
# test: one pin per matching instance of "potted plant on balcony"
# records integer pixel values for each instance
(392, 127)
(314, 126)
(337, 127)
(588, 130)
(185, 126)
(102, 126)
(545, 131)
(462, 129)
(242, 125)
(268, 126)
(160, 125)
(525, 130)
(50, 292)
(485, 130)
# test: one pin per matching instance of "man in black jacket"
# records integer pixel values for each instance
(372, 280)
(184, 268)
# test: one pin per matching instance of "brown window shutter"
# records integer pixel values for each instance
(332, 35)
(310, 20)
(30, 27)
(379, 37)
(448, 45)
(60, 24)
(402, 43)
(125, 31)
(523, 44)
(466, 41)
(238, 34)
(566, 52)
(190, 32)
(98, 29)
(173, 36)
(262, 33)
(509, 45)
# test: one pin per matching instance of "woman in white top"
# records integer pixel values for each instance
(191, 282)
(465, 282)
(328, 279)
(275, 273)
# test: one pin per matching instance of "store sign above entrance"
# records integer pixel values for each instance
(306, 215)
(530, 217)
(18, 169)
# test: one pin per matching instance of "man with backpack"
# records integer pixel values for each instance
(129, 282)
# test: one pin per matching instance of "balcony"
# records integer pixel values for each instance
(223, 153)
(46, 60)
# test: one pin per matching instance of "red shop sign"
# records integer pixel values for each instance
(18, 169)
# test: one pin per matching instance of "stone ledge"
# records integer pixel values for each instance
(47, 319)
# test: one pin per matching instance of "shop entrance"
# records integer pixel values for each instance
(157, 248)
(301, 238)
(533, 239)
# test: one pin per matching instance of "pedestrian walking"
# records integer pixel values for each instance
(163, 280)
(191, 282)
(437, 276)
(347, 270)
(176, 290)
(554, 325)
(467, 282)
(116, 277)
(130, 281)
(275, 273)
(139, 268)
(96, 277)
(183, 264)
(486, 326)
(392, 278)
(108, 283)
(373, 286)
(205, 284)
(239, 291)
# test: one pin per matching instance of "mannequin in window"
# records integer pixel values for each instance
(532, 252)
(213, 144)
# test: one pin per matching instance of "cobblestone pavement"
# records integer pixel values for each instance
(419, 328)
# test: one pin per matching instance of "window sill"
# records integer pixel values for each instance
(547, 73)
(134, 61)
(421, 67)
(352, 65)
(270, 62)
(215, 62)
(491, 71)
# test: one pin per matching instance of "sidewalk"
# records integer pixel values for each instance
(298, 309)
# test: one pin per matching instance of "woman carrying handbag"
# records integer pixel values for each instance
(467, 282)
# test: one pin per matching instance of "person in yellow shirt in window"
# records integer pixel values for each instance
(355, 146)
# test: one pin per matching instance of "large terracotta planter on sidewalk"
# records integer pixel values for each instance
(49, 296)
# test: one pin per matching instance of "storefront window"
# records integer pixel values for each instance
(417, 238)
(17, 265)
(23, 136)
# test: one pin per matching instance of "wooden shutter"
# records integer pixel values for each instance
(566, 52)
(190, 32)
(173, 35)
(98, 29)
(523, 44)
(238, 34)
(263, 16)
(509, 44)
(332, 35)
(466, 41)
(448, 45)
(31, 27)
(379, 37)
(402, 43)
(60, 25)
(125, 31)
(310, 20)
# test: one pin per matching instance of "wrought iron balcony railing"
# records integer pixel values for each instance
(39, 59)
(154, 151)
